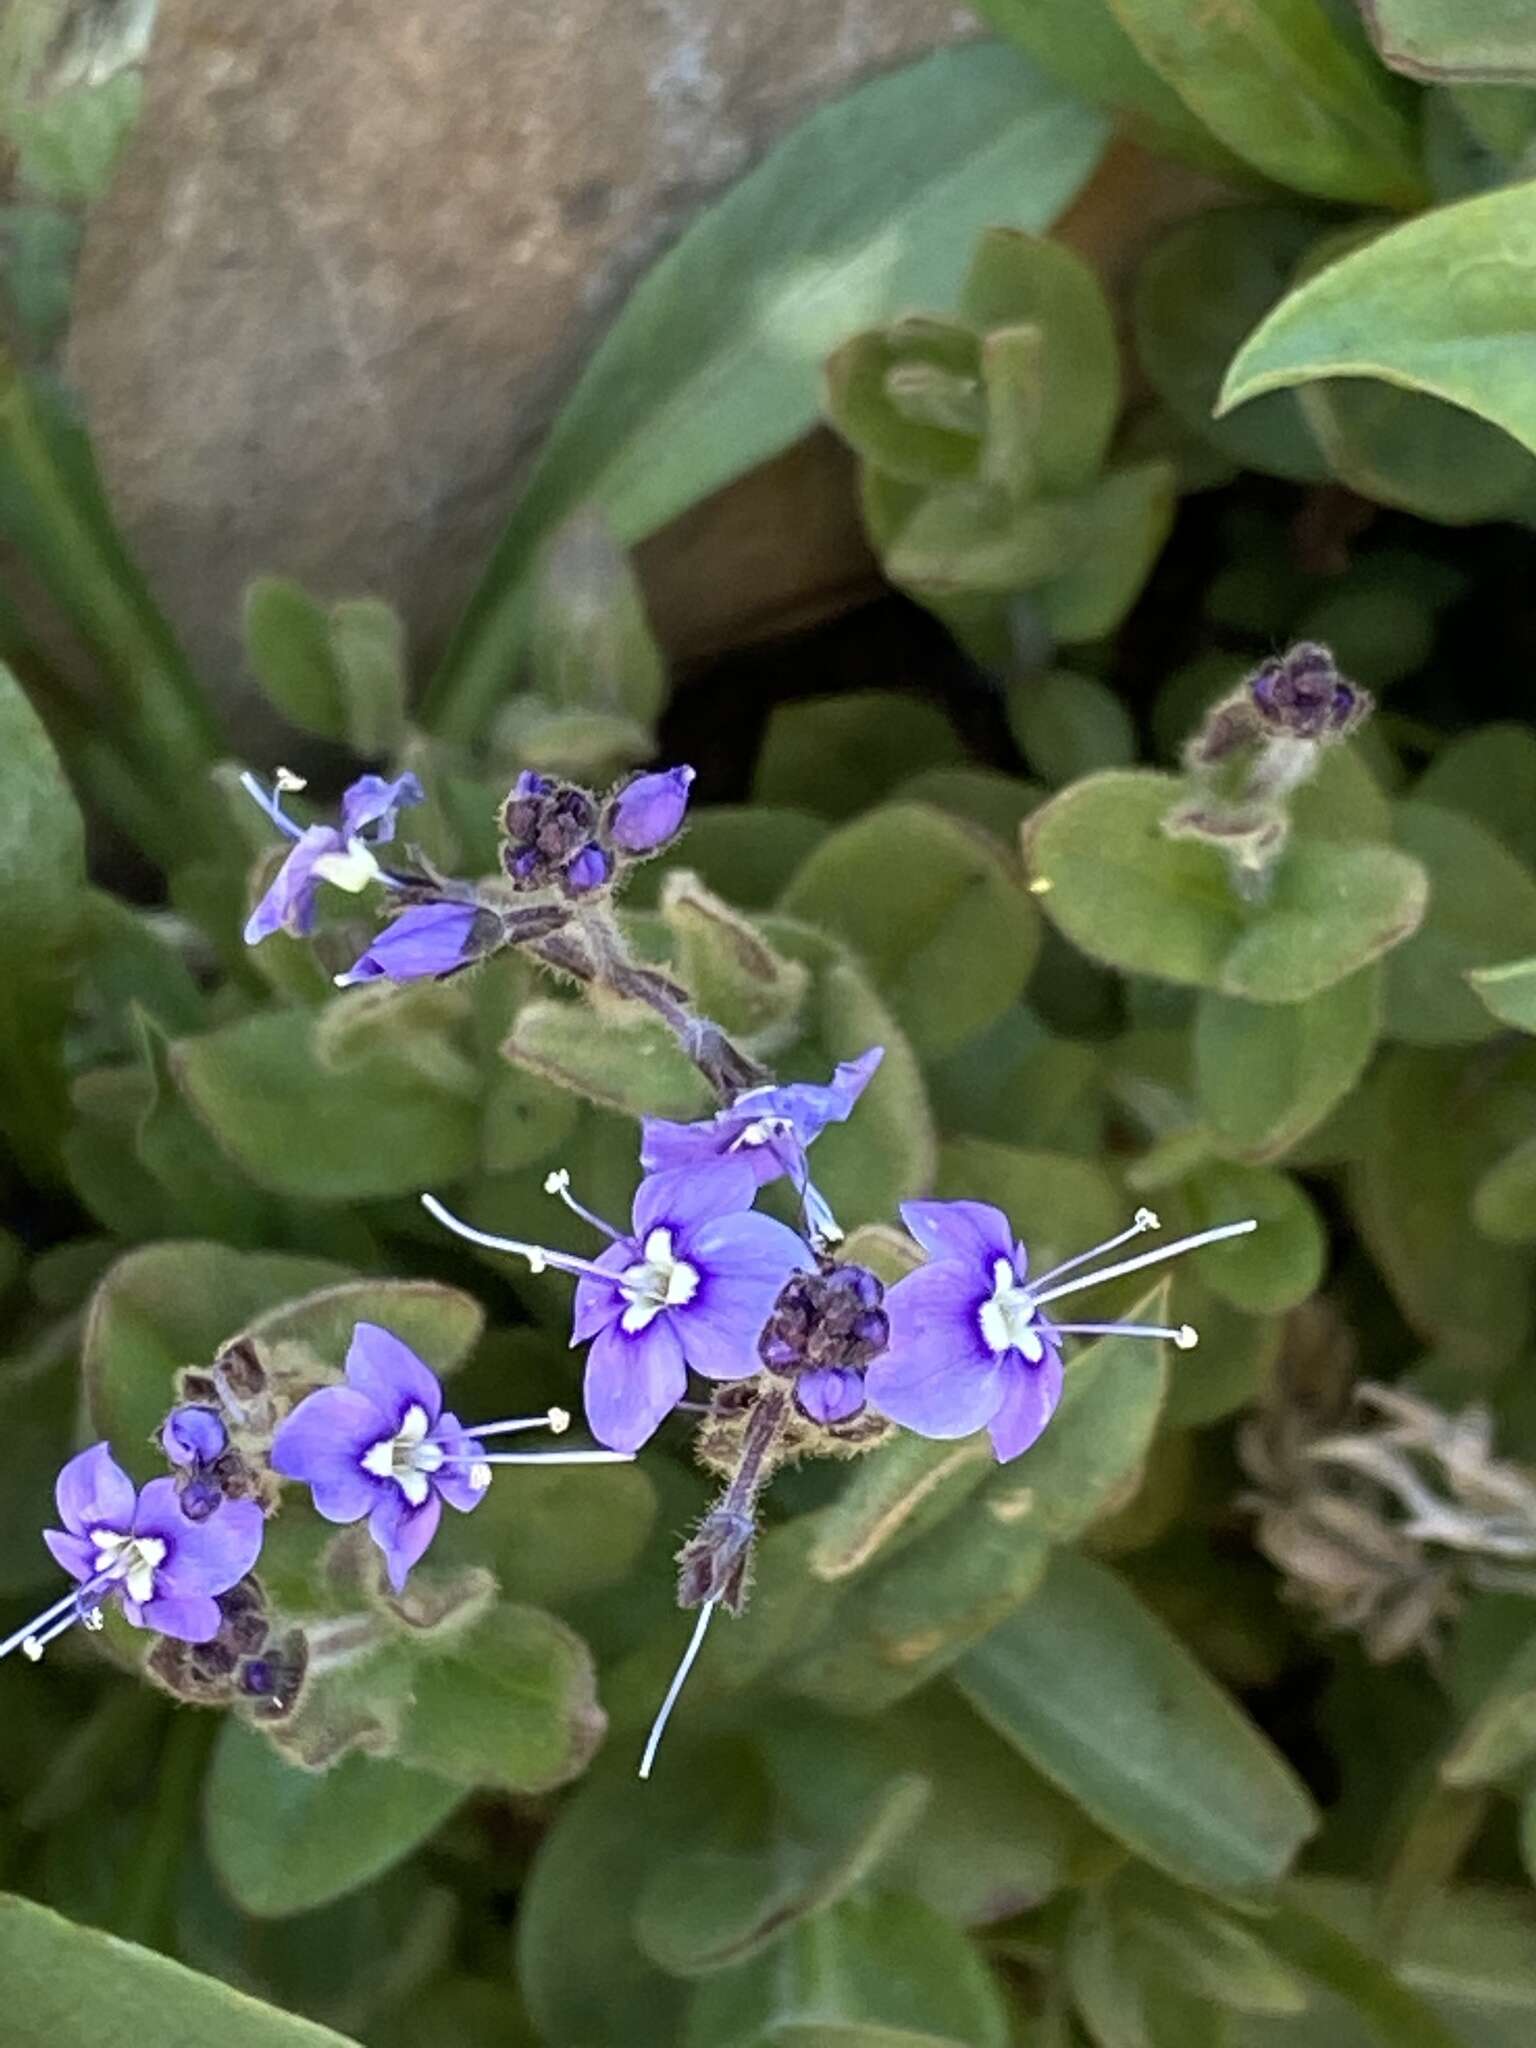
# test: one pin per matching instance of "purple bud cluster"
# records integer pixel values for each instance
(1301, 693)
(825, 1329)
(558, 835)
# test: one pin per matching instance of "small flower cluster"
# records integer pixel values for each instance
(801, 1349)
(1256, 748)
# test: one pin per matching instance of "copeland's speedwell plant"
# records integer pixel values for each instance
(528, 1268)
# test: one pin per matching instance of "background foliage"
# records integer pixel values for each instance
(1045, 1754)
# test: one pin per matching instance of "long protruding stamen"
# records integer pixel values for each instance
(559, 1183)
(273, 809)
(1144, 1220)
(1167, 1251)
(557, 1420)
(30, 1631)
(34, 1645)
(1186, 1337)
(539, 1259)
(679, 1680)
(542, 1458)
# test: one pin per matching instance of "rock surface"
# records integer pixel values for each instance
(357, 250)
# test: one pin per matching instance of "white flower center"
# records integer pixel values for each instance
(352, 870)
(131, 1561)
(407, 1457)
(658, 1280)
(763, 1132)
(1008, 1315)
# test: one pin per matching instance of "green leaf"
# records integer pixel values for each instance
(869, 207)
(1284, 85)
(620, 1059)
(1058, 1204)
(886, 1960)
(169, 1305)
(1431, 1129)
(591, 645)
(284, 1840)
(1018, 280)
(746, 852)
(1488, 774)
(337, 673)
(42, 905)
(1479, 42)
(1268, 1073)
(908, 398)
(1509, 991)
(835, 755)
(1118, 530)
(735, 975)
(1067, 725)
(441, 1324)
(1394, 2014)
(1199, 290)
(368, 648)
(1120, 889)
(713, 1911)
(74, 1987)
(1500, 1736)
(1504, 1200)
(893, 1496)
(1383, 312)
(980, 796)
(1482, 908)
(511, 1704)
(1082, 42)
(385, 1125)
(556, 1533)
(1113, 1709)
(979, 538)
(1278, 1265)
(940, 919)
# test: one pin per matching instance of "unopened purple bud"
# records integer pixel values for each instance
(778, 1353)
(589, 870)
(199, 1498)
(422, 944)
(529, 784)
(1302, 693)
(192, 1437)
(830, 1393)
(649, 811)
(258, 1678)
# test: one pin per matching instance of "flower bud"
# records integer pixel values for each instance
(424, 943)
(1303, 694)
(648, 812)
(193, 1437)
(589, 870)
(546, 825)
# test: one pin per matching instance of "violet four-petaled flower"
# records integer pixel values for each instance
(691, 1286)
(327, 853)
(422, 943)
(970, 1344)
(768, 1128)
(383, 1446)
(137, 1547)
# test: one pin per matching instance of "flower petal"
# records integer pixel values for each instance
(403, 1533)
(73, 1553)
(1030, 1395)
(936, 1376)
(665, 1145)
(596, 1303)
(372, 800)
(322, 1443)
(682, 1199)
(387, 1372)
(742, 1263)
(289, 904)
(201, 1557)
(973, 1231)
(453, 1481)
(633, 1382)
(94, 1492)
(191, 1618)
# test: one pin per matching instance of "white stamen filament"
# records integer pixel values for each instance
(557, 1419)
(1186, 1337)
(29, 1631)
(539, 1259)
(1167, 1251)
(1143, 1220)
(271, 806)
(542, 1458)
(679, 1680)
(559, 1183)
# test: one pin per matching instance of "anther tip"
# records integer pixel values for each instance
(1188, 1337)
(559, 1420)
(288, 782)
(479, 1477)
(1147, 1219)
(557, 1182)
(32, 1650)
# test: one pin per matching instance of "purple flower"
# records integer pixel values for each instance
(383, 1446)
(138, 1548)
(767, 1128)
(428, 940)
(193, 1436)
(649, 811)
(326, 853)
(691, 1284)
(971, 1347)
